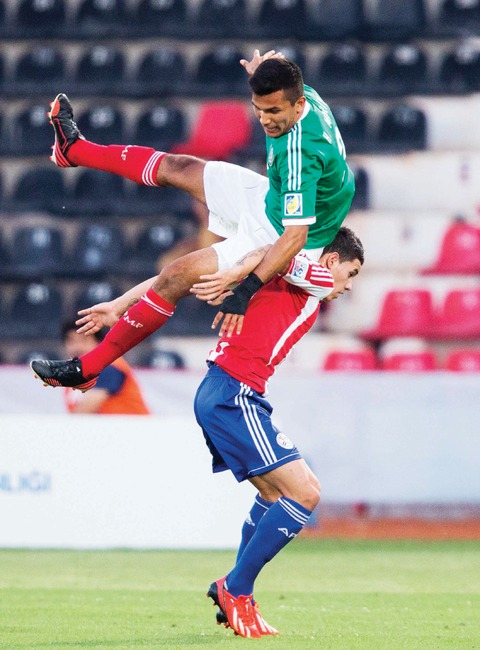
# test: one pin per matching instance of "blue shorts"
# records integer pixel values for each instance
(238, 429)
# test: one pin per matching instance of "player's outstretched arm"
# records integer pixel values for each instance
(106, 314)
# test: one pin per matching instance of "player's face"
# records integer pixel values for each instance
(343, 274)
(276, 113)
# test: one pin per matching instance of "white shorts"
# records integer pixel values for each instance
(236, 202)
(235, 199)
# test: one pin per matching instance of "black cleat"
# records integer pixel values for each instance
(66, 130)
(66, 373)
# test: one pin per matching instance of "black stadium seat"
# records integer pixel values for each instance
(403, 69)
(31, 133)
(40, 188)
(38, 251)
(331, 20)
(35, 312)
(101, 70)
(41, 67)
(98, 250)
(219, 73)
(280, 19)
(216, 18)
(160, 127)
(97, 193)
(103, 124)
(403, 128)
(168, 17)
(94, 293)
(161, 72)
(44, 19)
(101, 18)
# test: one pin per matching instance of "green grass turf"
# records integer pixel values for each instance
(320, 594)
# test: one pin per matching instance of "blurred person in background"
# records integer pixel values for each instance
(116, 391)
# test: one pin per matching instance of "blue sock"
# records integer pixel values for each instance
(259, 508)
(278, 526)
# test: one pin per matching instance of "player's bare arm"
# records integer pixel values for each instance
(106, 314)
(216, 284)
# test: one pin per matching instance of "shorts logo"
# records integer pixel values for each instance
(293, 205)
(300, 268)
(284, 441)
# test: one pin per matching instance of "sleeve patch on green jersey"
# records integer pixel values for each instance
(293, 205)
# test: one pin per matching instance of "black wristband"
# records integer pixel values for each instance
(238, 302)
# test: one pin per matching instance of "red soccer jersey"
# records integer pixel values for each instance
(278, 315)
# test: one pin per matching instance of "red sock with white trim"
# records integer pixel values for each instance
(141, 320)
(138, 164)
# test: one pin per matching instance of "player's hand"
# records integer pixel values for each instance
(232, 323)
(94, 318)
(214, 286)
(251, 66)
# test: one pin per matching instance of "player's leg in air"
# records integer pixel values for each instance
(273, 521)
(145, 166)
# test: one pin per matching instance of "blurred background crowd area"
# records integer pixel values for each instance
(403, 80)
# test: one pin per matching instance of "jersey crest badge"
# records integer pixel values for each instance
(293, 205)
(300, 268)
(284, 441)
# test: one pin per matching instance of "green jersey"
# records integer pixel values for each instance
(310, 182)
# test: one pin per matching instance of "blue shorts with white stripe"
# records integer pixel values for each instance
(238, 429)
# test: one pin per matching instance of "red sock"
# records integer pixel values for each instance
(141, 320)
(138, 164)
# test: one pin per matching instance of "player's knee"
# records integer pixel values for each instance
(311, 493)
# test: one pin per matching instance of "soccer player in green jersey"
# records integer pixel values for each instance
(300, 204)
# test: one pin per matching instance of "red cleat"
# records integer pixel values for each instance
(239, 610)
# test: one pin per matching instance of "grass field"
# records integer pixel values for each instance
(320, 594)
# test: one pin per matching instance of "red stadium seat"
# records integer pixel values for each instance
(350, 360)
(405, 312)
(463, 360)
(410, 361)
(460, 251)
(220, 129)
(459, 317)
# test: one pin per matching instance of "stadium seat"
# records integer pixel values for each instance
(350, 360)
(98, 250)
(463, 360)
(215, 18)
(162, 360)
(403, 70)
(40, 67)
(94, 293)
(170, 18)
(98, 193)
(404, 312)
(4, 256)
(459, 252)
(38, 251)
(352, 123)
(40, 19)
(221, 127)
(101, 70)
(160, 127)
(31, 134)
(161, 72)
(387, 20)
(219, 73)
(343, 70)
(101, 18)
(459, 17)
(410, 361)
(459, 315)
(333, 20)
(402, 128)
(362, 191)
(36, 310)
(279, 19)
(460, 68)
(103, 124)
(151, 243)
(40, 188)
